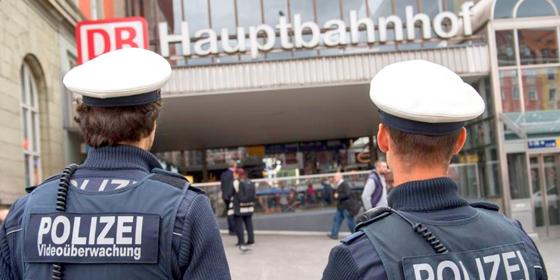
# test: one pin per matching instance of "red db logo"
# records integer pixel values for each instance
(95, 37)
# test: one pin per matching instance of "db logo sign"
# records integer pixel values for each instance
(97, 37)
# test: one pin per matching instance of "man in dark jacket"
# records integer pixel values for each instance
(346, 207)
(226, 183)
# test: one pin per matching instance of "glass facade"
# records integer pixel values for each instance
(528, 61)
(528, 66)
(480, 151)
(304, 158)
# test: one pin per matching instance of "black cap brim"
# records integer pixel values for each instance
(421, 128)
(123, 101)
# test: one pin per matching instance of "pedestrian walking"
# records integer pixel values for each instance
(327, 192)
(118, 215)
(226, 184)
(429, 231)
(375, 190)
(242, 208)
(346, 208)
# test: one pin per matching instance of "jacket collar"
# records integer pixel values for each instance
(121, 157)
(426, 195)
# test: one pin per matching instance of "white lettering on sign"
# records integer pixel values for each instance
(47, 250)
(63, 229)
(100, 36)
(262, 38)
(97, 238)
(511, 264)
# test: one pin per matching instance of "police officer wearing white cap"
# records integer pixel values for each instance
(429, 231)
(118, 215)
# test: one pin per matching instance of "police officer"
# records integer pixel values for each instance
(118, 215)
(429, 231)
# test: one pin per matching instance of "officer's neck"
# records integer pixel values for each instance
(403, 172)
(144, 144)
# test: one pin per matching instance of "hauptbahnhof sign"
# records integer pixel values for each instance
(262, 38)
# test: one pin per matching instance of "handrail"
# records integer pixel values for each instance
(302, 177)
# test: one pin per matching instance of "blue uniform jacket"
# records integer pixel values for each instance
(356, 258)
(197, 244)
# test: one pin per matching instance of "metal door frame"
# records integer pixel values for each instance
(544, 191)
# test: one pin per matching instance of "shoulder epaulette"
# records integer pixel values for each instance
(486, 205)
(352, 237)
(373, 215)
(170, 178)
(195, 189)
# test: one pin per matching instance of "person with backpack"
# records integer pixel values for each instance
(242, 208)
(375, 192)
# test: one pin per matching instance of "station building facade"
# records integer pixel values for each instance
(289, 79)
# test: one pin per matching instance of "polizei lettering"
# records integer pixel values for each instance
(84, 238)
(502, 262)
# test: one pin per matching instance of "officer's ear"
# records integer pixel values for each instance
(460, 142)
(383, 138)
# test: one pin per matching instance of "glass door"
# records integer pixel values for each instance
(552, 192)
(545, 182)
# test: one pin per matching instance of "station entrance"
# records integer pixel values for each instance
(545, 193)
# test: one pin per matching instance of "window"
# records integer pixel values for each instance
(195, 12)
(509, 88)
(552, 101)
(327, 10)
(505, 45)
(538, 86)
(401, 5)
(379, 8)
(533, 95)
(551, 75)
(274, 9)
(249, 14)
(359, 6)
(538, 46)
(515, 94)
(30, 127)
(518, 177)
(304, 8)
(504, 8)
(535, 8)
(431, 7)
(223, 17)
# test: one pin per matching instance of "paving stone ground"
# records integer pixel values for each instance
(294, 257)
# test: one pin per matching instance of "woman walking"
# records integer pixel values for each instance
(242, 208)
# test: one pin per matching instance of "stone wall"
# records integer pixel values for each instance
(29, 33)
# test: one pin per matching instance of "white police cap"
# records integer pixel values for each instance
(125, 77)
(422, 97)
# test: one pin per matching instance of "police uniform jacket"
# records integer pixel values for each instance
(434, 203)
(197, 250)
